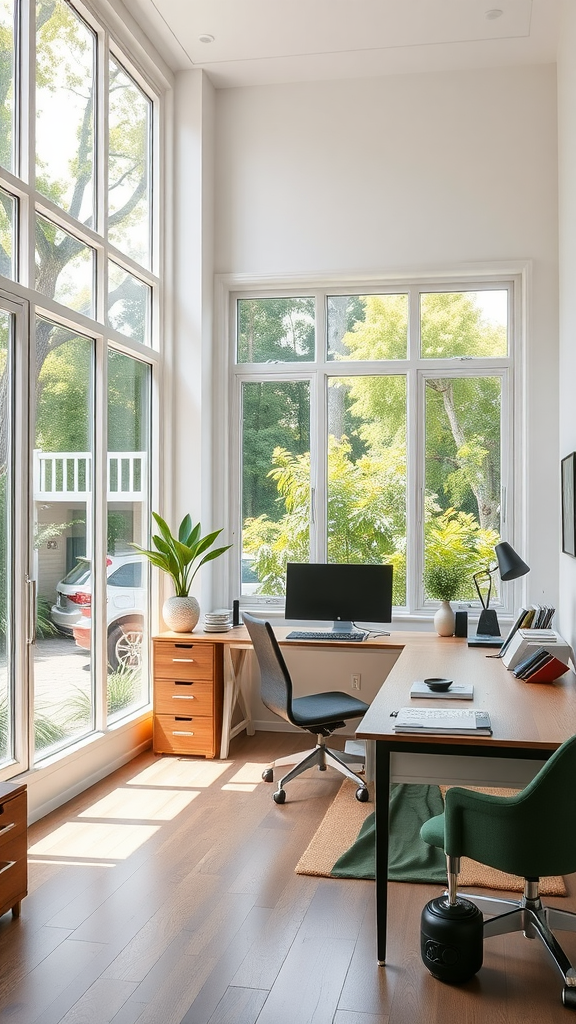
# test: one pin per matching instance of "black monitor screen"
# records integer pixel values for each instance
(340, 592)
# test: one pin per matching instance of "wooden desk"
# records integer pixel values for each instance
(529, 720)
(226, 674)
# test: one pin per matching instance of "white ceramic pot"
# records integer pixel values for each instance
(181, 613)
(444, 619)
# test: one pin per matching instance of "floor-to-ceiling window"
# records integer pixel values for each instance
(80, 258)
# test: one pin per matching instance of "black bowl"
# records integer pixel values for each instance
(438, 685)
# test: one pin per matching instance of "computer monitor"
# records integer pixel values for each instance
(341, 592)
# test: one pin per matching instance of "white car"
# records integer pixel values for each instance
(125, 607)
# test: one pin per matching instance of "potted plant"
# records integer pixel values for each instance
(181, 557)
(445, 583)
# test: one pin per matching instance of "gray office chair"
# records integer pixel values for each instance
(531, 834)
(318, 713)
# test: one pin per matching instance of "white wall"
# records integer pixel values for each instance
(567, 250)
(407, 172)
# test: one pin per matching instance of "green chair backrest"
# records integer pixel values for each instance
(531, 834)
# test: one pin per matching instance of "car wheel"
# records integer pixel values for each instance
(125, 645)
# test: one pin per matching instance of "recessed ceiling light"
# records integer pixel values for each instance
(494, 12)
(210, 39)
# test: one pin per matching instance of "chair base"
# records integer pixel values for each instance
(529, 916)
(322, 756)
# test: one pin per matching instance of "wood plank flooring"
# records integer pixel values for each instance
(167, 894)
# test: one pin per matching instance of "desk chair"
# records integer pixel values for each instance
(318, 713)
(531, 834)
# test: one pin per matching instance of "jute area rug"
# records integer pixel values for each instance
(345, 817)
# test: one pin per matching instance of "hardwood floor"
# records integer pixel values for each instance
(166, 894)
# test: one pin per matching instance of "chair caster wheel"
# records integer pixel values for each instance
(569, 997)
(279, 796)
(321, 767)
(268, 775)
(362, 794)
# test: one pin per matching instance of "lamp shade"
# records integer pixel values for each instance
(510, 564)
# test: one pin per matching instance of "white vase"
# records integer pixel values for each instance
(444, 619)
(181, 613)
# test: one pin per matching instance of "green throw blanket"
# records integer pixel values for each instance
(410, 858)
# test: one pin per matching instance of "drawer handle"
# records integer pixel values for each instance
(7, 828)
(182, 732)
(177, 696)
(183, 682)
(186, 647)
(8, 864)
(182, 718)
(189, 661)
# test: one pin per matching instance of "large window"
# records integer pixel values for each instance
(80, 262)
(375, 426)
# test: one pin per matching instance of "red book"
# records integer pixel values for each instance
(548, 672)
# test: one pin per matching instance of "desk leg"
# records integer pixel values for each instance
(382, 810)
(235, 692)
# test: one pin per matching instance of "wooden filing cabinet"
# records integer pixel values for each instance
(13, 847)
(188, 694)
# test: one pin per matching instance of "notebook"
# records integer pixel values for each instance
(458, 691)
(443, 720)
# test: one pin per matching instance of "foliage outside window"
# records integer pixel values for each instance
(403, 392)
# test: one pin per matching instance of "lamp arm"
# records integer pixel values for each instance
(484, 574)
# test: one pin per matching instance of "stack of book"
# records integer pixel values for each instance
(539, 616)
(537, 655)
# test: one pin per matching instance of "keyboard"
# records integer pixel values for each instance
(308, 634)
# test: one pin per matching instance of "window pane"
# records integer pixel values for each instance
(367, 326)
(275, 482)
(272, 330)
(129, 177)
(462, 514)
(128, 517)
(6, 543)
(367, 473)
(8, 209)
(464, 324)
(64, 267)
(65, 55)
(7, 93)
(63, 705)
(129, 303)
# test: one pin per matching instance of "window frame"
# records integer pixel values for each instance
(150, 74)
(514, 276)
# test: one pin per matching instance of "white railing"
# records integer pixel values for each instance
(60, 476)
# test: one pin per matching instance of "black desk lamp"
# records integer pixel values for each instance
(511, 567)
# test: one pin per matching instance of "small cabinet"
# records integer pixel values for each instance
(188, 692)
(13, 847)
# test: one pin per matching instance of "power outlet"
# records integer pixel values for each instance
(356, 681)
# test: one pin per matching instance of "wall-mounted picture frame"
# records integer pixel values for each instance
(568, 480)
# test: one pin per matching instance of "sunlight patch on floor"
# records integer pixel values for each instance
(246, 778)
(180, 773)
(141, 804)
(87, 839)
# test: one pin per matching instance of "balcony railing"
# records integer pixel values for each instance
(67, 476)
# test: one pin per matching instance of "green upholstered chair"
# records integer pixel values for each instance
(531, 834)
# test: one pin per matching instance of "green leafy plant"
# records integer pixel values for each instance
(178, 556)
(446, 582)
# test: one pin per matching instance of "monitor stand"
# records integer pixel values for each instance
(344, 627)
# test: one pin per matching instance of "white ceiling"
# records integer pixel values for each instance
(261, 41)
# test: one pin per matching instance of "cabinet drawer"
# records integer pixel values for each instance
(12, 820)
(13, 871)
(183, 660)
(184, 697)
(184, 734)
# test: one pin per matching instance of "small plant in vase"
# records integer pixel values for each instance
(445, 583)
(181, 557)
